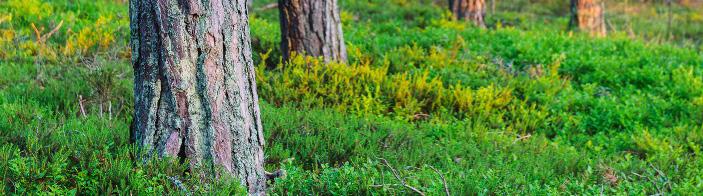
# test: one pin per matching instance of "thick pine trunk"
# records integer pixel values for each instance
(312, 27)
(587, 16)
(194, 87)
(469, 10)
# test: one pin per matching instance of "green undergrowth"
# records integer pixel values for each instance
(52, 147)
(520, 108)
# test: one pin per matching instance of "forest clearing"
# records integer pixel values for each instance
(351, 97)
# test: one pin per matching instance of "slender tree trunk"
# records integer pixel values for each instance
(194, 87)
(670, 19)
(469, 10)
(493, 6)
(587, 15)
(685, 3)
(312, 27)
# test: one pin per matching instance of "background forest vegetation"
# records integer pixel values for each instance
(521, 107)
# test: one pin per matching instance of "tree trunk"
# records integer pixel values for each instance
(685, 3)
(469, 10)
(587, 15)
(194, 87)
(312, 27)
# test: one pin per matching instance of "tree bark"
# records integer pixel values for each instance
(469, 10)
(194, 87)
(313, 28)
(587, 15)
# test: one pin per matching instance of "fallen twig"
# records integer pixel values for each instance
(268, 6)
(666, 184)
(80, 104)
(36, 31)
(109, 110)
(402, 181)
(119, 110)
(384, 185)
(444, 181)
(42, 38)
(421, 116)
(524, 137)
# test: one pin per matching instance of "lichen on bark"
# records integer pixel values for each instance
(469, 10)
(588, 16)
(313, 28)
(194, 87)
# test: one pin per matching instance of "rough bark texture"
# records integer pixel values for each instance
(194, 87)
(312, 27)
(469, 10)
(587, 15)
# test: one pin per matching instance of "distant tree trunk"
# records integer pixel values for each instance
(312, 27)
(685, 3)
(670, 19)
(493, 6)
(587, 15)
(194, 87)
(469, 10)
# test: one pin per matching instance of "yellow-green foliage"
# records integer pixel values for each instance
(78, 31)
(408, 83)
(31, 10)
(365, 89)
(93, 37)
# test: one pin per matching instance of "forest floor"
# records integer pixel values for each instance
(522, 107)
